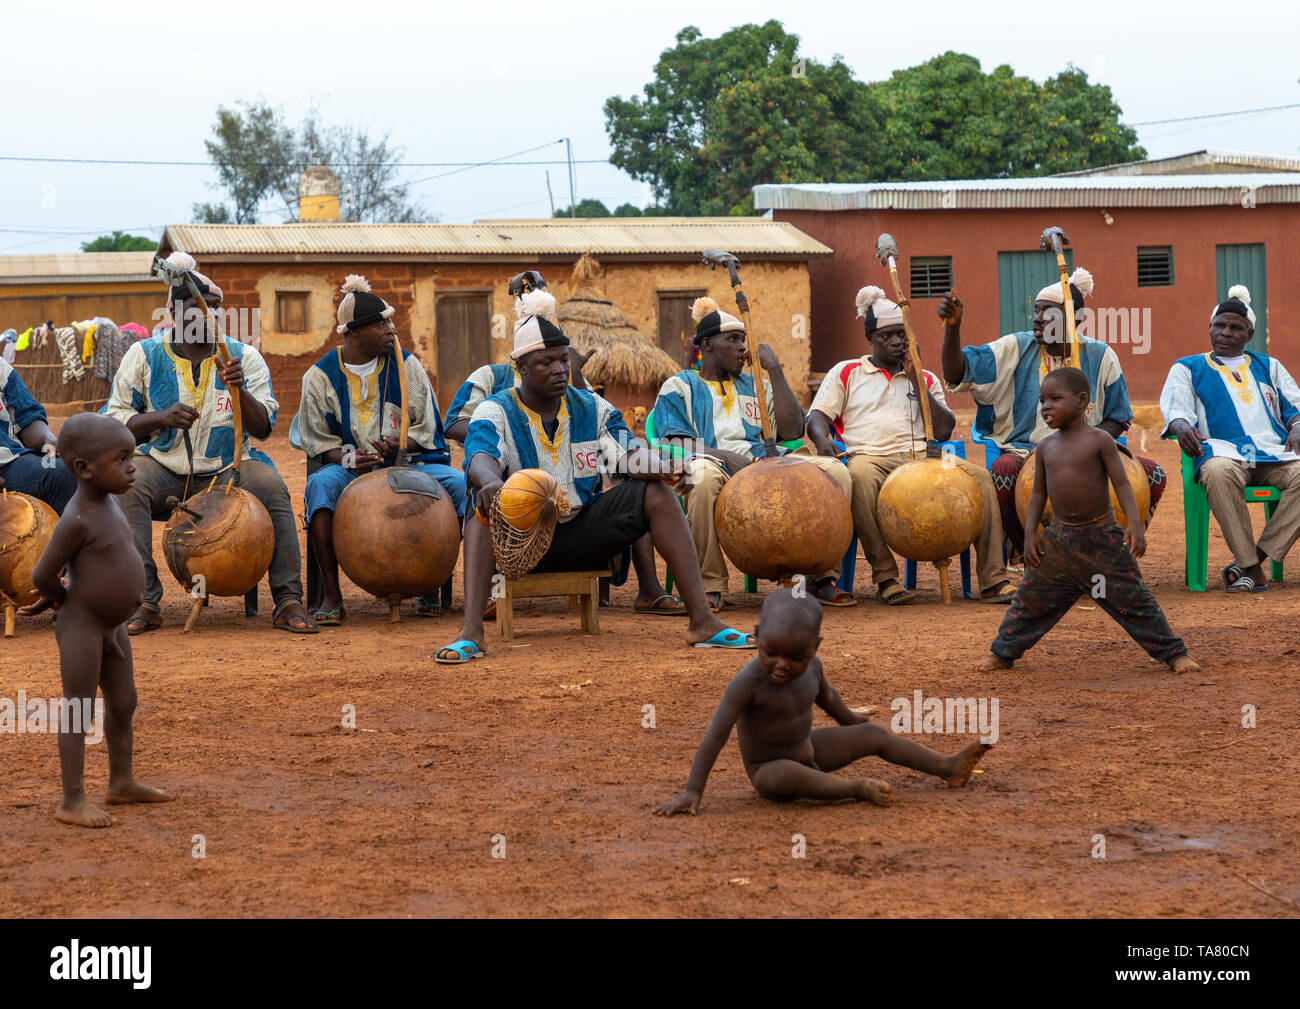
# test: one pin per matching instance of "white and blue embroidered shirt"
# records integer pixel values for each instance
(17, 410)
(153, 377)
(723, 415)
(341, 408)
(1002, 377)
(1244, 413)
(590, 440)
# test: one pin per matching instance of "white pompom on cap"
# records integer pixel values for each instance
(867, 297)
(1241, 293)
(1082, 279)
(702, 307)
(536, 302)
(183, 260)
(355, 282)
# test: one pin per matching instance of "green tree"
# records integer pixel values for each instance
(947, 119)
(120, 242)
(253, 151)
(723, 115)
(627, 210)
(259, 159)
(585, 208)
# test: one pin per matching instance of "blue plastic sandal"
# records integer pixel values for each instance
(465, 650)
(728, 639)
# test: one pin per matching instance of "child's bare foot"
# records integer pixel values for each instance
(963, 763)
(1183, 664)
(134, 791)
(82, 813)
(992, 661)
(875, 792)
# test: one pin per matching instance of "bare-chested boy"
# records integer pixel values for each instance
(1083, 540)
(770, 703)
(104, 584)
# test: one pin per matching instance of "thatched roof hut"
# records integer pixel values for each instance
(591, 322)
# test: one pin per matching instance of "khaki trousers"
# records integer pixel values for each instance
(1225, 482)
(868, 474)
(707, 478)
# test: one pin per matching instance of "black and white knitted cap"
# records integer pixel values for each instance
(359, 307)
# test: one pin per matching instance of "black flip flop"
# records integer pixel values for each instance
(281, 622)
(900, 598)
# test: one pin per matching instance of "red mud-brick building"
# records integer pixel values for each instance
(1164, 240)
(448, 283)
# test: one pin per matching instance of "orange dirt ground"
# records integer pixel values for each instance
(542, 742)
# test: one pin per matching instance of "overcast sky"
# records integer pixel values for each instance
(473, 81)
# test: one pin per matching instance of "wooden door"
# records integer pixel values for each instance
(676, 326)
(1021, 275)
(1244, 264)
(464, 333)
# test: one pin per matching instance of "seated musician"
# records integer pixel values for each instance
(175, 397)
(578, 438)
(351, 417)
(713, 416)
(870, 405)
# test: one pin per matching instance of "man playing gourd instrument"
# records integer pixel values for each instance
(713, 416)
(577, 437)
(351, 417)
(869, 404)
(176, 397)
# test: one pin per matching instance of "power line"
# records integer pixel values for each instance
(1217, 115)
(302, 164)
(74, 232)
(494, 210)
(480, 164)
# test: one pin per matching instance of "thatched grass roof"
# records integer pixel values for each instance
(623, 355)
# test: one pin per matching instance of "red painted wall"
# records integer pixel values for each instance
(1180, 314)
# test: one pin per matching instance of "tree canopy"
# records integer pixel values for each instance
(119, 241)
(723, 115)
(259, 159)
(597, 208)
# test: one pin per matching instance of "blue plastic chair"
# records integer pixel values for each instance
(957, 448)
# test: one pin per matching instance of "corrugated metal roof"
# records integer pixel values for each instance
(1036, 193)
(81, 267)
(600, 236)
(1195, 163)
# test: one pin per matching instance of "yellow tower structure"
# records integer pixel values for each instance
(318, 195)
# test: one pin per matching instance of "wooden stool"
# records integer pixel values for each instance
(582, 588)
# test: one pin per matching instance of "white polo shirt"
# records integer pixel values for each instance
(872, 411)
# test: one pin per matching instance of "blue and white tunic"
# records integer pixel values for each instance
(1244, 413)
(590, 441)
(17, 410)
(340, 408)
(723, 415)
(482, 383)
(1002, 377)
(153, 377)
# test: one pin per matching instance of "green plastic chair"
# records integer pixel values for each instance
(751, 583)
(1196, 522)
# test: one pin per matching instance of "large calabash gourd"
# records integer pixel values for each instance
(26, 525)
(224, 548)
(777, 518)
(396, 533)
(1137, 477)
(929, 510)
